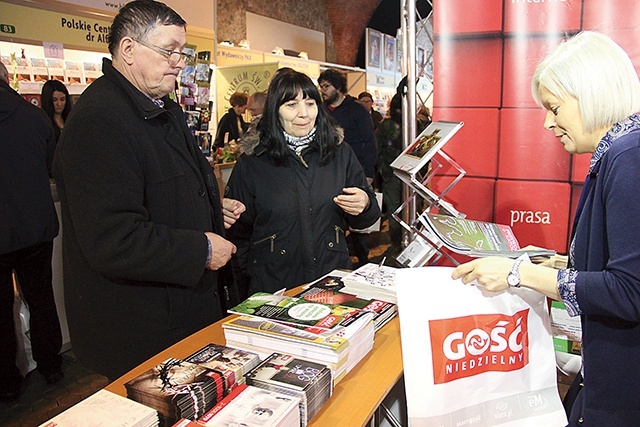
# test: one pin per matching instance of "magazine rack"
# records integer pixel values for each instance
(418, 186)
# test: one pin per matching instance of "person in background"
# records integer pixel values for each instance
(250, 139)
(389, 142)
(591, 92)
(28, 225)
(302, 187)
(423, 118)
(231, 125)
(56, 102)
(358, 133)
(144, 248)
(366, 99)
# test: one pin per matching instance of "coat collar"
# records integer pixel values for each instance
(143, 103)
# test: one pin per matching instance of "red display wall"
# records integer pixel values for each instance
(484, 57)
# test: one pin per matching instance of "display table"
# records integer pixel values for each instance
(355, 398)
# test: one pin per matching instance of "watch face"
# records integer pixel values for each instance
(513, 280)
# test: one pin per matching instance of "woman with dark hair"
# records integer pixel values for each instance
(56, 103)
(302, 188)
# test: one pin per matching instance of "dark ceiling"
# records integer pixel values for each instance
(386, 19)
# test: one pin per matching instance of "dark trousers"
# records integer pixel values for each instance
(32, 266)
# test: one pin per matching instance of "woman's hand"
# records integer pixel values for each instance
(490, 273)
(353, 200)
(231, 211)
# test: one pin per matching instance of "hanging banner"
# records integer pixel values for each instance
(227, 56)
(72, 30)
(244, 78)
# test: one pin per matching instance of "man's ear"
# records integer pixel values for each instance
(125, 51)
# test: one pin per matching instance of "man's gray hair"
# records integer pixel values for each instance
(138, 18)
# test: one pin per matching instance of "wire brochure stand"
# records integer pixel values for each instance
(416, 166)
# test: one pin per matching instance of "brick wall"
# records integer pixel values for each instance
(342, 21)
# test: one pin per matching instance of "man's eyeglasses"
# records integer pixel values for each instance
(173, 57)
(324, 86)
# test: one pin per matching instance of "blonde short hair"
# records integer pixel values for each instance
(597, 72)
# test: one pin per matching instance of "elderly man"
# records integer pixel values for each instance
(251, 137)
(144, 227)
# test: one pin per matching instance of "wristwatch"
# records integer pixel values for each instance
(513, 278)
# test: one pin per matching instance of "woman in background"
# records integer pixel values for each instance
(56, 103)
(591, 92)
(302, 187)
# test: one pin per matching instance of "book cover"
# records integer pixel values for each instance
(253, 406)
(285, 370)
(232, 363)
(276, 330)
(177, 389)
(285, 373)
(105, 408)
(330, 290)
(476, 238)
(295, 310)
(426, 145)
(372, 280)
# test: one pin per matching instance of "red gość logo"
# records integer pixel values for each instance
(466, 346)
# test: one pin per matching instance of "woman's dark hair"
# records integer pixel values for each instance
(395, 108)
(285, 86)
(48, 88)
(138, 18)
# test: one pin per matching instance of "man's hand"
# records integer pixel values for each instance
(353, 200)
(221, 251)
(231, 211)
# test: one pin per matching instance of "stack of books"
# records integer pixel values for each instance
(232, 363)
(331, 334)
(330, 290)
(287, 374)
(251, 407)
(177, 389)
(372, 281)
(108, 409)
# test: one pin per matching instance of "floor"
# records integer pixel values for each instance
(40, 402)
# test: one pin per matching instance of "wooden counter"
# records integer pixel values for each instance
(355, 398)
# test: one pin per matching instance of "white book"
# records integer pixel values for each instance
(105, 408)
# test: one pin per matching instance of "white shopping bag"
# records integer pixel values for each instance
(474, 357)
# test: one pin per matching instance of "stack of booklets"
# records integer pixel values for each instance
(330, 290)
(287, 374)
(372, 281)
(177, 389)
(104, 408)
(232, 363)
(250, 406)
(477, 238)
(332, 334)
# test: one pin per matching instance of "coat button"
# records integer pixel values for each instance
(283, 252)
(580, 420)
(330, 244)
(202, 192)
